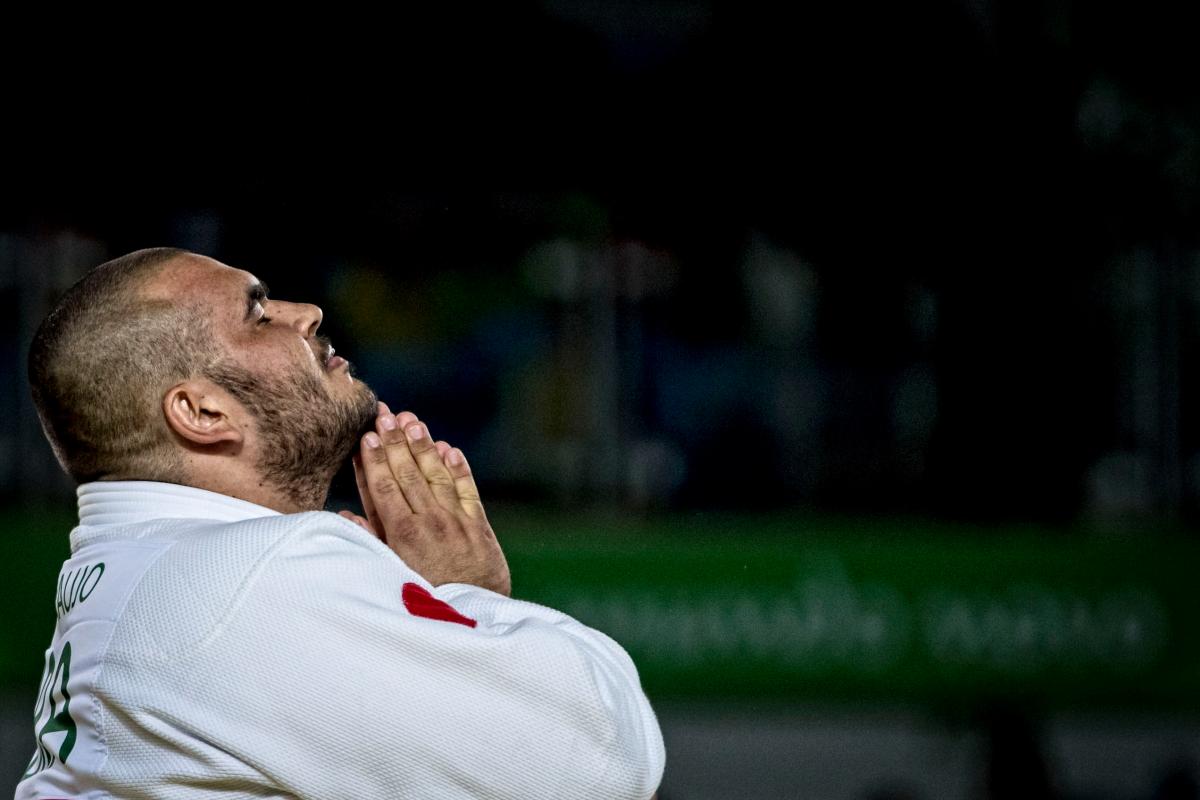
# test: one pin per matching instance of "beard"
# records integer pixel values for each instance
(306, 431)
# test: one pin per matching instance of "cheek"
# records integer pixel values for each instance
(283, 352)
(276, 355)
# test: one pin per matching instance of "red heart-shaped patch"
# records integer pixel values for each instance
(420, 603)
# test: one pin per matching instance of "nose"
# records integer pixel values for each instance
(304, 317)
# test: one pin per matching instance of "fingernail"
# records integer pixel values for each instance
(455, 457)
(415, 432)
(372, 440)
(388, 422)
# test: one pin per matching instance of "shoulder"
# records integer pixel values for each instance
(238, 548)
(211, 570)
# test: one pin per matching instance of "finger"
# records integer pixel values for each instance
(404, 467)
(441, 484)
(442, 448)
(357, 520)
(464, 483)
(381, 482)
(403, 419)
(364, 494)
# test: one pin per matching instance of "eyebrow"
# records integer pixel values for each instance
(255, 293)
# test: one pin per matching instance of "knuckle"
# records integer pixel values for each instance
(383, 487)
(403, 529)
(409, 474)
(440, 479)
(421, 445)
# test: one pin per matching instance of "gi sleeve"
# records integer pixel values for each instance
(344, 692)
(613, 676)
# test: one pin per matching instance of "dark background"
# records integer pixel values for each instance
(977, 221)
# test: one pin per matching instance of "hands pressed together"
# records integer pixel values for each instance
(420, 500)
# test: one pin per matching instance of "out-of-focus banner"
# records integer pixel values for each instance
(736, 609)
(796, 609)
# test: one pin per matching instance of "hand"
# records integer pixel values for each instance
(420, 499)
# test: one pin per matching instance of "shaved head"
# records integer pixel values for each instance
(165, 365)
(99, 365)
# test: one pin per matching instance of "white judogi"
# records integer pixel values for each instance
(208, 647)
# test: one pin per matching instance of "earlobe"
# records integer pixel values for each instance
(200, 412)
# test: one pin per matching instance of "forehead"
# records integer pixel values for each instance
(199, 280)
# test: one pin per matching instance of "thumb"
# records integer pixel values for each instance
(360, 521)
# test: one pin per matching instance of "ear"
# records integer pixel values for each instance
(201, 412)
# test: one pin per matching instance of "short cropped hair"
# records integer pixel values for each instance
(100, 364)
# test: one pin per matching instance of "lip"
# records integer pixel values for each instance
(333, 362)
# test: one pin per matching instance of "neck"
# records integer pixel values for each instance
(307, 494)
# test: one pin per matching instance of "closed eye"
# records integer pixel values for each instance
(256, 296)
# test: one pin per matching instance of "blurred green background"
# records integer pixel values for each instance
(797, 608)
(794, 626)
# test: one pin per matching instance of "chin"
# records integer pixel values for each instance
(366, 405)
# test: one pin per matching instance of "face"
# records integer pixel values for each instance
(308, 408)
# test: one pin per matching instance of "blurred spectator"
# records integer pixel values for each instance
(1179, 783)
(1016, 768)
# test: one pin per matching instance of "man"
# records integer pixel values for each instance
(219, 635)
